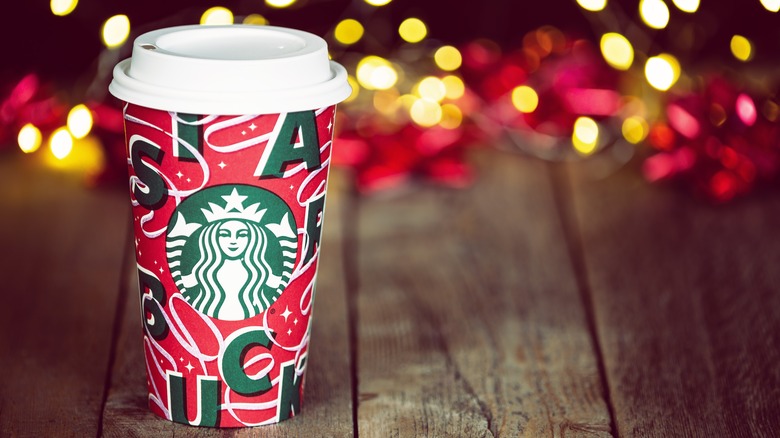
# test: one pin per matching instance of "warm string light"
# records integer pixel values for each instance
(592, 5)
(348, 31)
(741, 48)
(654, 13)
(79, 121)
(62, 8)
(585, 136)
(29, 138)
(662, 71)
(771, 5)
(115, 31)
(217, 15)
(61, 143)
(376, 73)
(279, 3)
(412, 30)
(617, 50)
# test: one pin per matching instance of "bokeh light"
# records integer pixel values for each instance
(432, 88)
(741, 48)
(29, 138)
(585, 136)
(255, 19)
(217, 15)
(348, 31)
(617, 50)
(425, 113)
(746, 109)
(635, 129)
(592, 5)
(525, 99)
(386, 101)
(412, 30)
(689, 6)
(279, 3)
(451, 116)
(448, 58)
(654, 13)
(62, 8)
(116, 30)
(771, 5)
(61, 143)
(662, 71)
(454, 86)
(377, 2)
(353, 83)
(80, 121)
(376, 73)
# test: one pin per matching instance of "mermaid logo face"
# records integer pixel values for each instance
(231, 250)
(233, 238)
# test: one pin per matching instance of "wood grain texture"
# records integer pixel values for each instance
(469, 318)
(327, 405)
(686, 300)
(60, 261)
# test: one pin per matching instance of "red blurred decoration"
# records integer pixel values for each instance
(29, 101)
(716, 142)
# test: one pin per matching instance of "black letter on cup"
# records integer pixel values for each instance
(156, 195)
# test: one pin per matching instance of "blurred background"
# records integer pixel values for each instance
(685, 90)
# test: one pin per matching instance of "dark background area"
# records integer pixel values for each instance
(61, 49)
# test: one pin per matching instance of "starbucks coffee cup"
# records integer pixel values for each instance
(229, 133)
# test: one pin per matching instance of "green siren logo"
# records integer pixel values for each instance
(231, 250)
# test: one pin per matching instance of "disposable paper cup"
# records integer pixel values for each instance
(229, 132)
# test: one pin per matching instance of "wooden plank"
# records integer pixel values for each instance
(327, 406)
(470, 322)
(60, 258)
(686, 304)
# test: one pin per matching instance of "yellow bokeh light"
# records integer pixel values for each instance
(654, 13)
(217, 16)
(451, 116)
(635, 129)
(771, 5)
(353, 83)
(741, 48)
(80, 121)
(376, 73)
(348, 31)
(386, 101)
(432, 88)
(407, 100)
(61, 143)
(62, 8)
(592, 5)
(454, 86)
(689, 6)
(412, 30)
(279, 3)
(662, 71)
(585, 137)
(448, 58)
(425, 112)
(377, 2)
(525, 99)
(255, 19)
(29, 138)
(617, 50)
(116, 30)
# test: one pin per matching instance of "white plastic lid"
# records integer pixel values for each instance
(234, 69)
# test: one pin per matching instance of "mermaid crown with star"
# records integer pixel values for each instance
(233, 209)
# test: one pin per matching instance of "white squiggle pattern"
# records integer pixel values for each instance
(230, 123)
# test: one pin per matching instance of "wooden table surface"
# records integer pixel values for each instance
(541, 301)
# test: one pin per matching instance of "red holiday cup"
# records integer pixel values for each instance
(229, 134)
